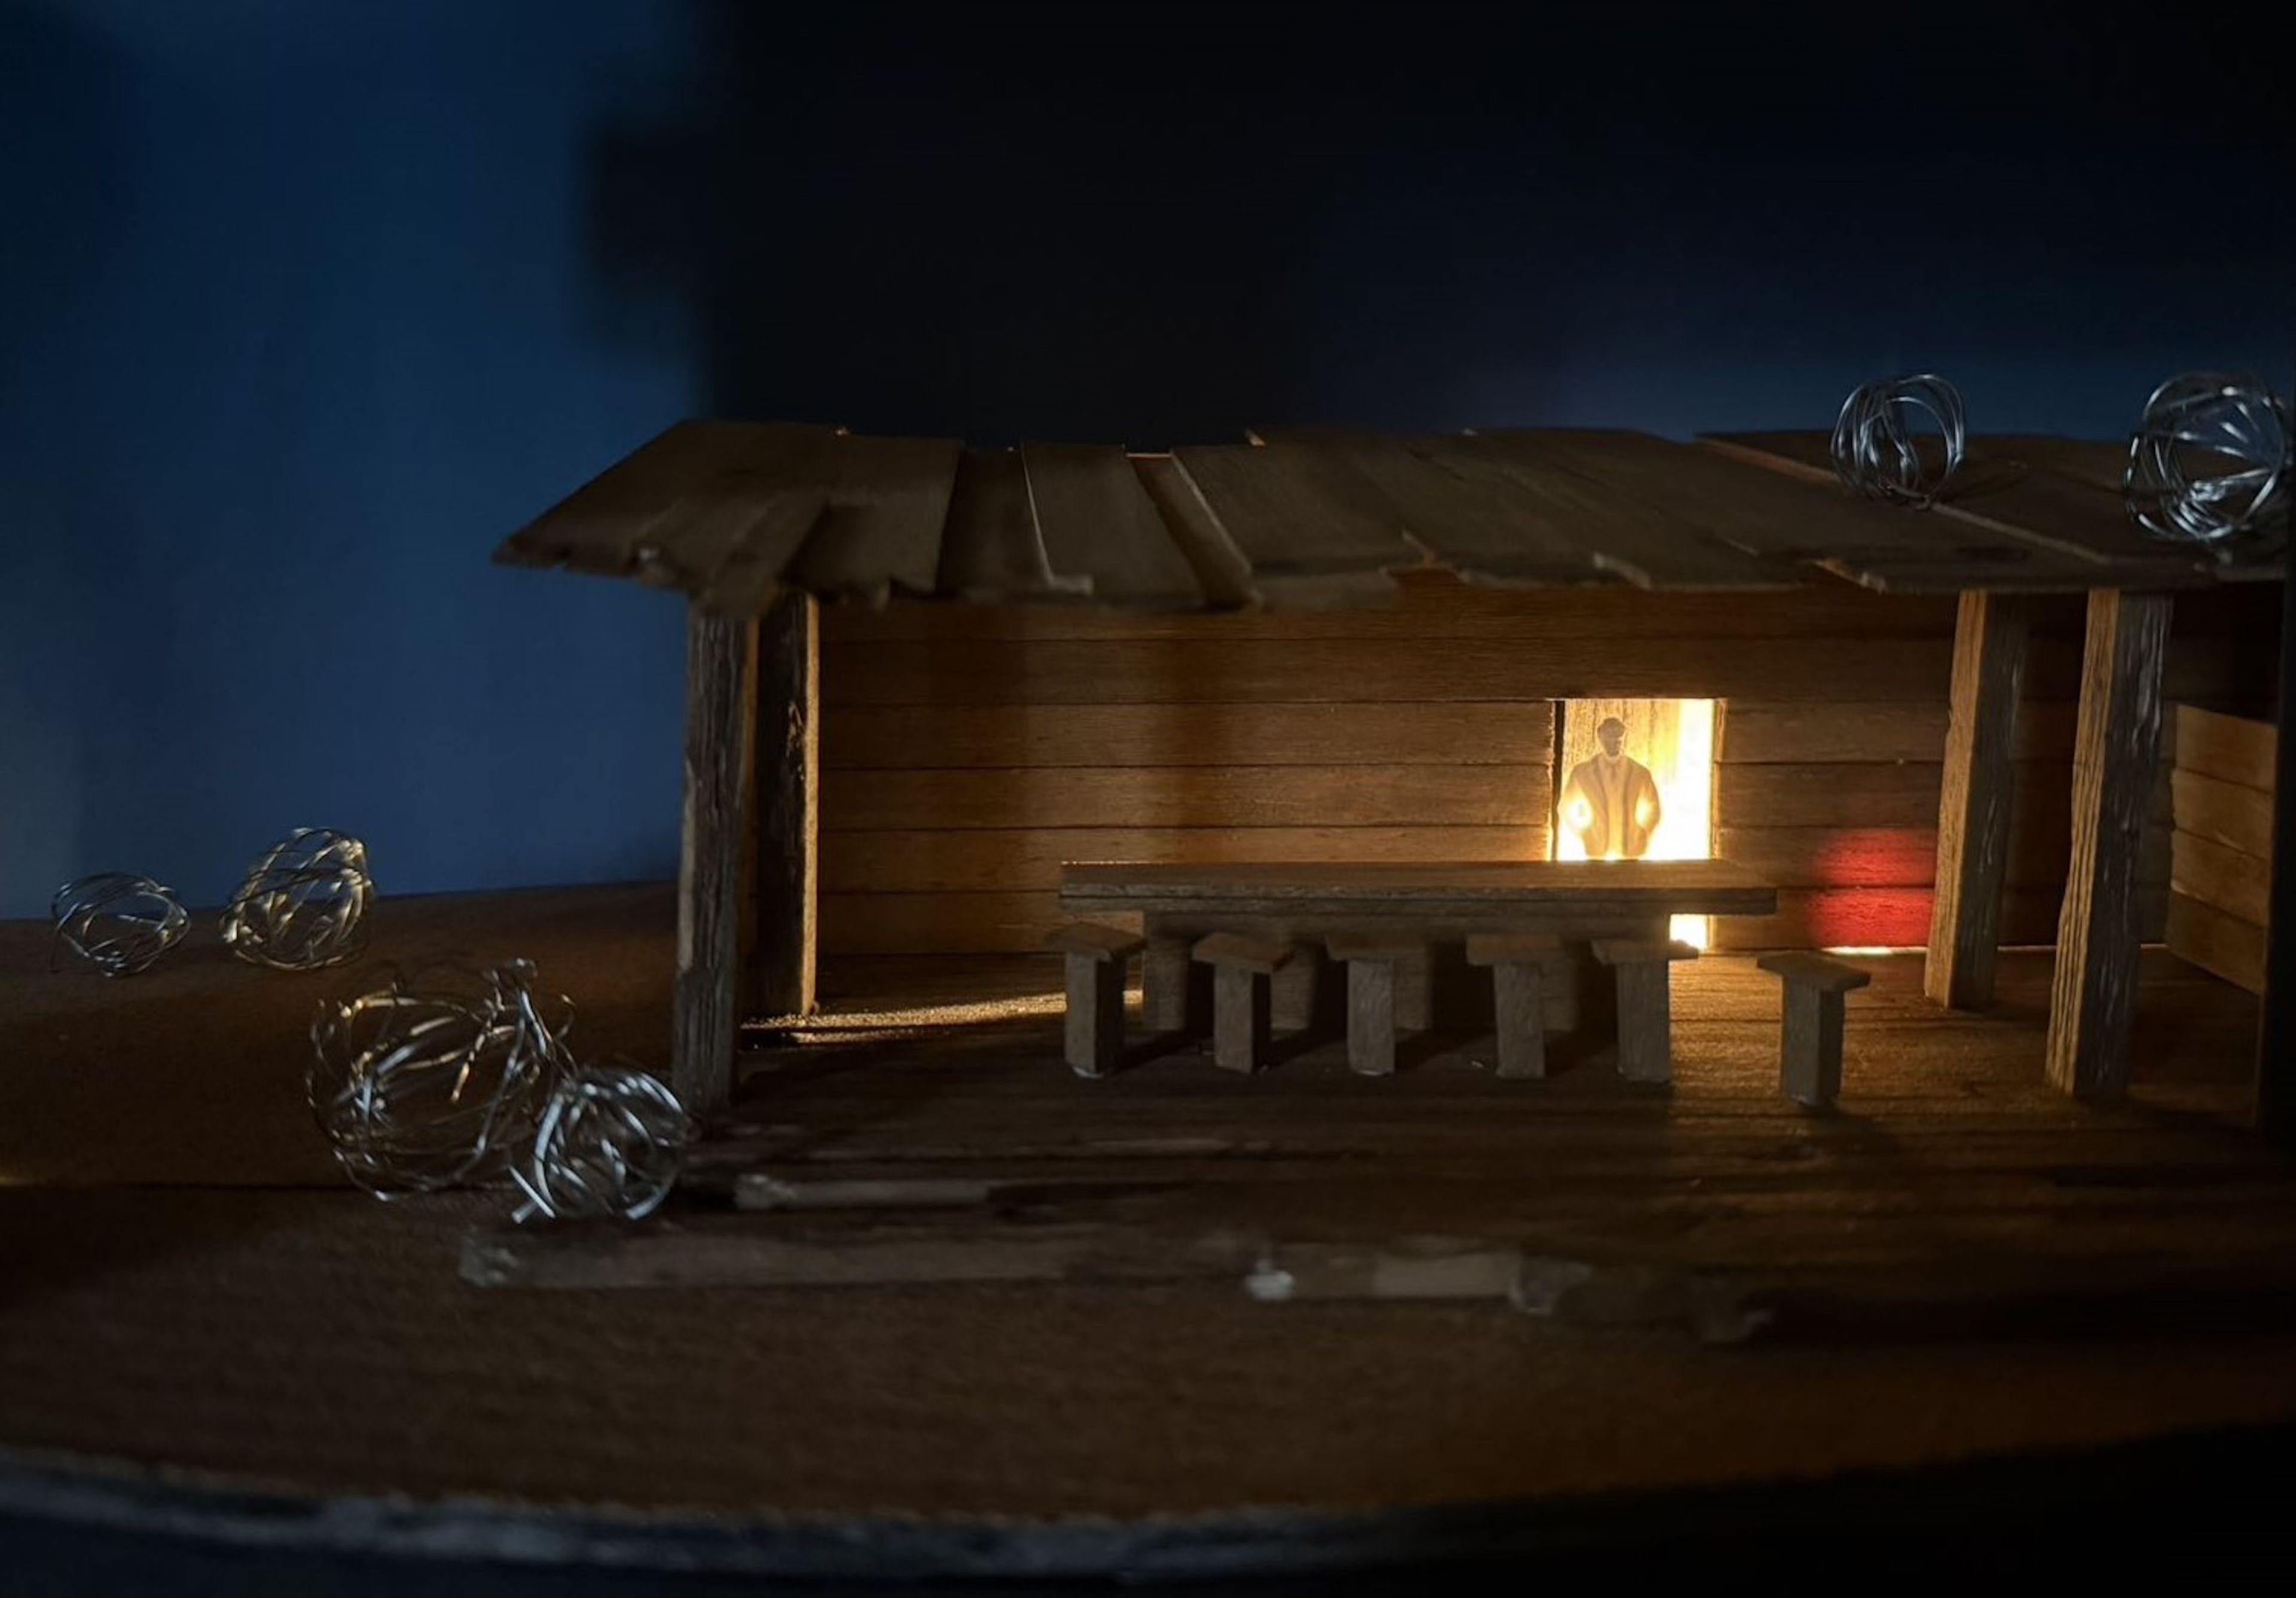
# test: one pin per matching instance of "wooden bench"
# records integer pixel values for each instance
(1809, 1026)
(1243, 968)
(1094, 1038)
(1645, 1002)
(1373, 960)
(1518, 962)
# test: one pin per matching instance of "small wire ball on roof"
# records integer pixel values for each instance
(2210, 462)
(116, 920)
(303, 905)
(1901, 439)
(438, 1078)
(610, 1143)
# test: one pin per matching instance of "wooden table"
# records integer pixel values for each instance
(1575, 899)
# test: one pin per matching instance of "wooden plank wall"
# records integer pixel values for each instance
(966, 751)
(2221, 864)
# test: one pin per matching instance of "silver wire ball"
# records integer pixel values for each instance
(612, 1141)
(304, 902)
(438, 1079)
(2210, 461)
(116, 920)
(1901, 438)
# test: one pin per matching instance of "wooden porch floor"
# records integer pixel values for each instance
(195, 1306)
(1951, 1189)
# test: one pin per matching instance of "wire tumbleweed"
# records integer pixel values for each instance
(116, 920)
(1901, 439)
(303, 905)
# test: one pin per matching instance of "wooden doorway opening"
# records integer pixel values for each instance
(1607, 814)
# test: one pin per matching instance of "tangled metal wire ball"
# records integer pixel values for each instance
(116, 920)
(611, 1143)
(438, 1079)
(303, 905)
(2210, 462)
(1901, 439)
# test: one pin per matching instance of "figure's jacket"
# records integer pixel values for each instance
(1611, 802)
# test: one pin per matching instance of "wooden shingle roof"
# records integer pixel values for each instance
(733, 514)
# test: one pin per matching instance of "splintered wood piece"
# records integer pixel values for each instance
(2117, 751)
(783, 882)
(1242, 1027)
(1093, 1031)
(1974, 807)
(989, 548)
(721, 681)
(1094, 941)
(1103, 535)
(1371, 1016)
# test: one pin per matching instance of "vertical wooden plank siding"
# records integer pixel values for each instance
(721, 675)
(2116, 753)
(1974, 804)
(2275, 1047)
(786, 873)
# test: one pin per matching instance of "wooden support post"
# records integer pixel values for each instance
(1811, 1024)
(1645, 1003)
(2116, 751)
(2276, 1041)
(1094, 1033)
(1989, 663)
(1242, 968)
(721, 678)
(784, 880)
(1517, 965)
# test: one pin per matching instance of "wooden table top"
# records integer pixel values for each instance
(1578, 887)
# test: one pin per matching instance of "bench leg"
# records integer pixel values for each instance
(1299, 990)
(1239, 1020)
(1520, 996)
(1415, 993)
(1371, 1017)
(1645, 1022)
(1809, 1046)
(1095, 1032)
(1173, 987)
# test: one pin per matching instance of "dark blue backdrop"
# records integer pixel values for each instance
(307, 305)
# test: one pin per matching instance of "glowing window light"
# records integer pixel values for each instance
(1683, 769)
